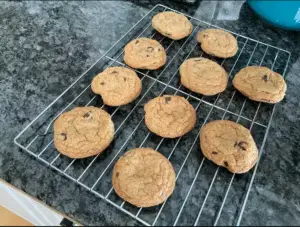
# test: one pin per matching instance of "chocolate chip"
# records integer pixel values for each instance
(265, 78)
(102, 83)
(158, 49)
(167, 99)
(147, 55)
(114, 72)
(136, 42)
(64, 135)
(226, 163)
(243, 145)
(205, 36)
(150, 49)
(117, 174)
(214, 152)
(86, 115)
(124, 78)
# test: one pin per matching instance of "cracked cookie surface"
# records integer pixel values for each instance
(172, 25)
(83, 132)
(169, 116)
(260, 84)
(117, 86)
(144, 53)
(143, 177)
(229, 144)
(203, 76)
(218, 43)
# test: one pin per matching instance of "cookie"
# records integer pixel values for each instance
(143, 177)
(173, 25)
(169, 116)
(260, 84)
(144, 53)
(203, 76)
(117, 86)
(83, 132)
(229, 144)
(218, 43)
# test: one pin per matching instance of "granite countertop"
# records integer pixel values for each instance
(45, 46)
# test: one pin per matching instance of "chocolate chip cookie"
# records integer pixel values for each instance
(117, 86)
(144, 53)
(203, 76)
(218, 43)
(173, 25)
(260, 84)
(83, 132)
(169, 116)
(229, 144)
(143, 177)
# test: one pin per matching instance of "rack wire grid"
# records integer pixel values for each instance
(202, 189)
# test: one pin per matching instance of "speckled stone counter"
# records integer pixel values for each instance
(45, 46)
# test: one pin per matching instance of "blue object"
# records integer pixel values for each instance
(284, 14)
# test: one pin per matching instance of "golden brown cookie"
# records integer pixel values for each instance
(218, 43)
(169, 116)
(143, 177)
(83, 132)
(117, 86)
(229, 144)
(144, 53)
(203, 76)
(260, 84)
(173, 25)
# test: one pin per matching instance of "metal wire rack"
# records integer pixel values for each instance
(202, 190)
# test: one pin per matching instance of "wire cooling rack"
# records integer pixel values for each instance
(204, 194)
